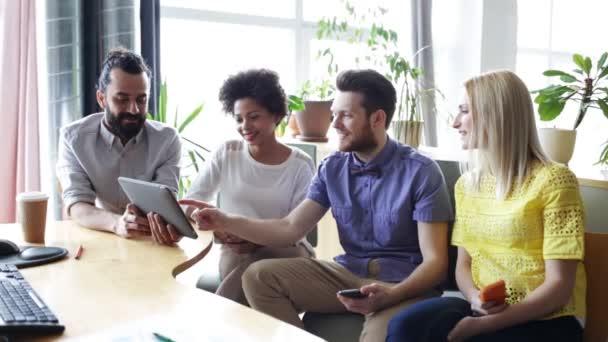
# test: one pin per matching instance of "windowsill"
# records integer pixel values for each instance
(587, 176)
(323, 148)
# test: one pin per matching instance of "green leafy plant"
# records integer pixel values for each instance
(403, 74)
(322, 90)
(294, 103)
(193, 152)
(583, 85)
(603, 155)
(365, 27)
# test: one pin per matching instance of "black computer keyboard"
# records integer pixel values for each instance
(21, 309)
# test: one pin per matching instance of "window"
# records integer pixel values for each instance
(263, 8)
(119, 25)
(203, 42)
(63, 46)
(457, 52)
(549, 32)
(64, 74)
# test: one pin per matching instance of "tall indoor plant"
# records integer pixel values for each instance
(192, 152)
(603, 160)
(365, 27)
(407, 124)
(585, 86)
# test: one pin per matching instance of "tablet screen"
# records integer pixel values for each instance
(159, 199)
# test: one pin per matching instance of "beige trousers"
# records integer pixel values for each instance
(285, 287)
(232, 266)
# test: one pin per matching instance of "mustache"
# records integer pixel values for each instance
(126, 115)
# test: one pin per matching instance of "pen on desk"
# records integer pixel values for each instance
(79, 252)
(162, 337)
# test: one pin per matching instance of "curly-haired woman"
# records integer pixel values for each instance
(257, 176)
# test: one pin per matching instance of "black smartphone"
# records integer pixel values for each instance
(352, 293)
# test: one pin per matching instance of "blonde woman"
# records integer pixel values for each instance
(519, 218)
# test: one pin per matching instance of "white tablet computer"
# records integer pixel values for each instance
(159, 199)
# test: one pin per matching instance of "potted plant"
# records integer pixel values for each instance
(382, 52)
(314, 119)
(294, 103)
(193, 151)
(407, 124)
(584, 86)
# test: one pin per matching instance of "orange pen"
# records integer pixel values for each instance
(79, 252)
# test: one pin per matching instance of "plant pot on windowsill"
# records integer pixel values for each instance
(408, 132)
(314, 121)
(558, 143)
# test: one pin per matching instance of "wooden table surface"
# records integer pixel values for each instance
(125, 290)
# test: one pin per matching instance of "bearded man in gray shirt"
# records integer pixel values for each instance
(97, 149)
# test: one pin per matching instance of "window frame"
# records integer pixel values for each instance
(304, 30)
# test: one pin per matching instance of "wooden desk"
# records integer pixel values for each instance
(126, 288)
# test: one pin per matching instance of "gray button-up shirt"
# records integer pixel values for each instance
(91, 159)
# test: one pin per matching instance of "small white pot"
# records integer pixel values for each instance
(558, 143)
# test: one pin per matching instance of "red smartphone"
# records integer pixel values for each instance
(352, 293)
(495, 292)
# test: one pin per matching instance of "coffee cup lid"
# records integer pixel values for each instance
(32, 196)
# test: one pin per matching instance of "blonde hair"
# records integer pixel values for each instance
(504, 137)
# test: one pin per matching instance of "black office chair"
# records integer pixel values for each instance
(210, 279)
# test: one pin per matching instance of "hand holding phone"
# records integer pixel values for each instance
(352, 293)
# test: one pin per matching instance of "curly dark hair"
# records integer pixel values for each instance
(124, 60)
(262, 85)
(378, 92)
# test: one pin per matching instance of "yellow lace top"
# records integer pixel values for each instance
(510, 239)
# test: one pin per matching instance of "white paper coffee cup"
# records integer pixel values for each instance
(31, 213)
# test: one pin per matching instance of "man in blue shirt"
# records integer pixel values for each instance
(391, 206)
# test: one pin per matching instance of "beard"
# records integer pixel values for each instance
(119, 126)
(362, 142)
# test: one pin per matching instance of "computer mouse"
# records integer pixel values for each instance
(8, 247)
(33, 253)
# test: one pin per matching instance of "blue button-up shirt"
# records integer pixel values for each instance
(377, 206)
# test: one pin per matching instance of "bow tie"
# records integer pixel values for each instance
(373, 170)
